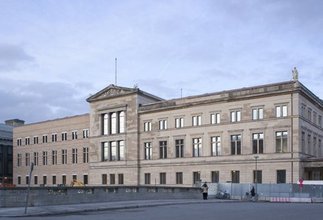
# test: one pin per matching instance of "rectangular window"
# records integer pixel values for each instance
(63, 179)
(27, 180)
(257, 176)
(104, 179)
(120, 179)
(54, 180)
(116, 150)
(179, 122)
(235, 116)
(147, 126)
(197, 147)
(44, 180)
(112, 179)
(309, 114)
(54, 137)
(35, 158)
(74, 177)
(45, 139)
(54, 157)
(148, 151)
(64, 136)
(19, 160)
(85, 133)
(162, 149)
(281, 111)
(215, 176)
(85, 154)
(257, 113)
(27, 156)
(19, 180)
(162, 178)
(35, 180)
(147, 178)
(105, 151)
(179, 148)
(27, 141)
(236, 144)
(113, 123)
(45, 161)
(215, 118)
(105, 123)
(35, 140)
(320, 121)
(74, 155)
(19, 142)
(197, 120)
(216, 146)
(121, 122)
(303, 142)
(64, 156)
(163, 124)
(113, 150)
(121, 150)
(179, 178)
(303, 107)
(314, 117)
(74, 135)
(85, 179)
(309, 144)
(281, 176)
(281, 141)
(314, 146)
(196, 178)
(258, 143)
(320, 153)
(235, 176)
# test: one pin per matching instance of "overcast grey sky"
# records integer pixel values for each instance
(55, 53)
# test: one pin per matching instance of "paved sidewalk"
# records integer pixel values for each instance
(87, 207)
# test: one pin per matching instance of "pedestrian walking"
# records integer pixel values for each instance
(205, 189)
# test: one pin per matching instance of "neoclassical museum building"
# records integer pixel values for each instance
(266, 134)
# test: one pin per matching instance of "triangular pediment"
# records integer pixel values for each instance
(110, 92)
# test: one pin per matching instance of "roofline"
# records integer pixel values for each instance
(56, 119)
(130, 91)
(296, 85)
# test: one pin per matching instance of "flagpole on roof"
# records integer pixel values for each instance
(115, 70)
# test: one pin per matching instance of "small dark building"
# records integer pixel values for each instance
(6, 159)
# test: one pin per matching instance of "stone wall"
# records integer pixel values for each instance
(73, 195)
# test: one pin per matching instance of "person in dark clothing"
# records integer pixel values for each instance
(252, 192)
(205, 189)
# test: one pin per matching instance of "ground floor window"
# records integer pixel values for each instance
(85, 179)
(281, 176)
(64, 180)
(147, 178)
(196, 177)
(162, 178)
(112, 179)
(104, 179)
(257, 176)
(120, 178)
(179, 178)
(235, 176)
(215, 176)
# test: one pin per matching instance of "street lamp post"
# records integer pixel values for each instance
(256, 173)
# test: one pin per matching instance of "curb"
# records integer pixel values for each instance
(67, 212)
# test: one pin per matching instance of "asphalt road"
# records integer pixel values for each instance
(208, 211)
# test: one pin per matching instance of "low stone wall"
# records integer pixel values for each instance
(42, 196)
